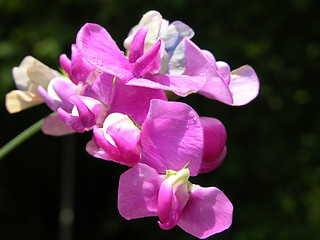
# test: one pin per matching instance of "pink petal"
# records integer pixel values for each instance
(71, 121)
(80, 68)
(197, 63)
(137, 44)
(244, 85)
(171, 203)
(51, 103)
(171, 137)
(165, 198)
(215, 137)
(138, 192)
(145, 64)
(65, 63)
(181, 85)
(101, 89)
(86, 116)
(98, 48)
(126, 136)
(64, 90)
(133, 101)
(53, 126)
(95, 150)
(207, 212)
(106, 146)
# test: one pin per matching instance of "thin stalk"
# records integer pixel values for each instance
(16, 141)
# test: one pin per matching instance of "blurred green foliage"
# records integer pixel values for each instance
(271, 172)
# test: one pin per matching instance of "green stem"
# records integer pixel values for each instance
(15, 142)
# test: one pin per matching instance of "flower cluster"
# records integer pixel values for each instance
(121, 97)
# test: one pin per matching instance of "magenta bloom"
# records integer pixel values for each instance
(236, 88)
(199, 211)
(170, 137)
(140, 69)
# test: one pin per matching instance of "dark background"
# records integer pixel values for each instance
(271, 173)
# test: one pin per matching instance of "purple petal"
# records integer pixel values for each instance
(133, 101)
(171, 137)
(215, 137)
(98, 48)
(137, 44)
(244, 85)
(181, 85)
(53, 126)
(138, 192)
(207, 212)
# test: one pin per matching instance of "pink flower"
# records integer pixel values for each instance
(170, 137)
(200, 211)
(140, 69)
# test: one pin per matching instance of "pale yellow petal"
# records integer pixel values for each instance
(18, 100)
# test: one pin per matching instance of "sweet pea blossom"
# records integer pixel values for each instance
(200, 211)
(169, 138)
(140, 68)
(28, 76)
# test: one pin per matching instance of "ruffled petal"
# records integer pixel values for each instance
(171, 136)
(98, 48)
(244, 85)
(138, 192)
(17, 100)
(197, 64)
(207, 212)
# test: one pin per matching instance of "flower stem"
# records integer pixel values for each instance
(15, 142)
